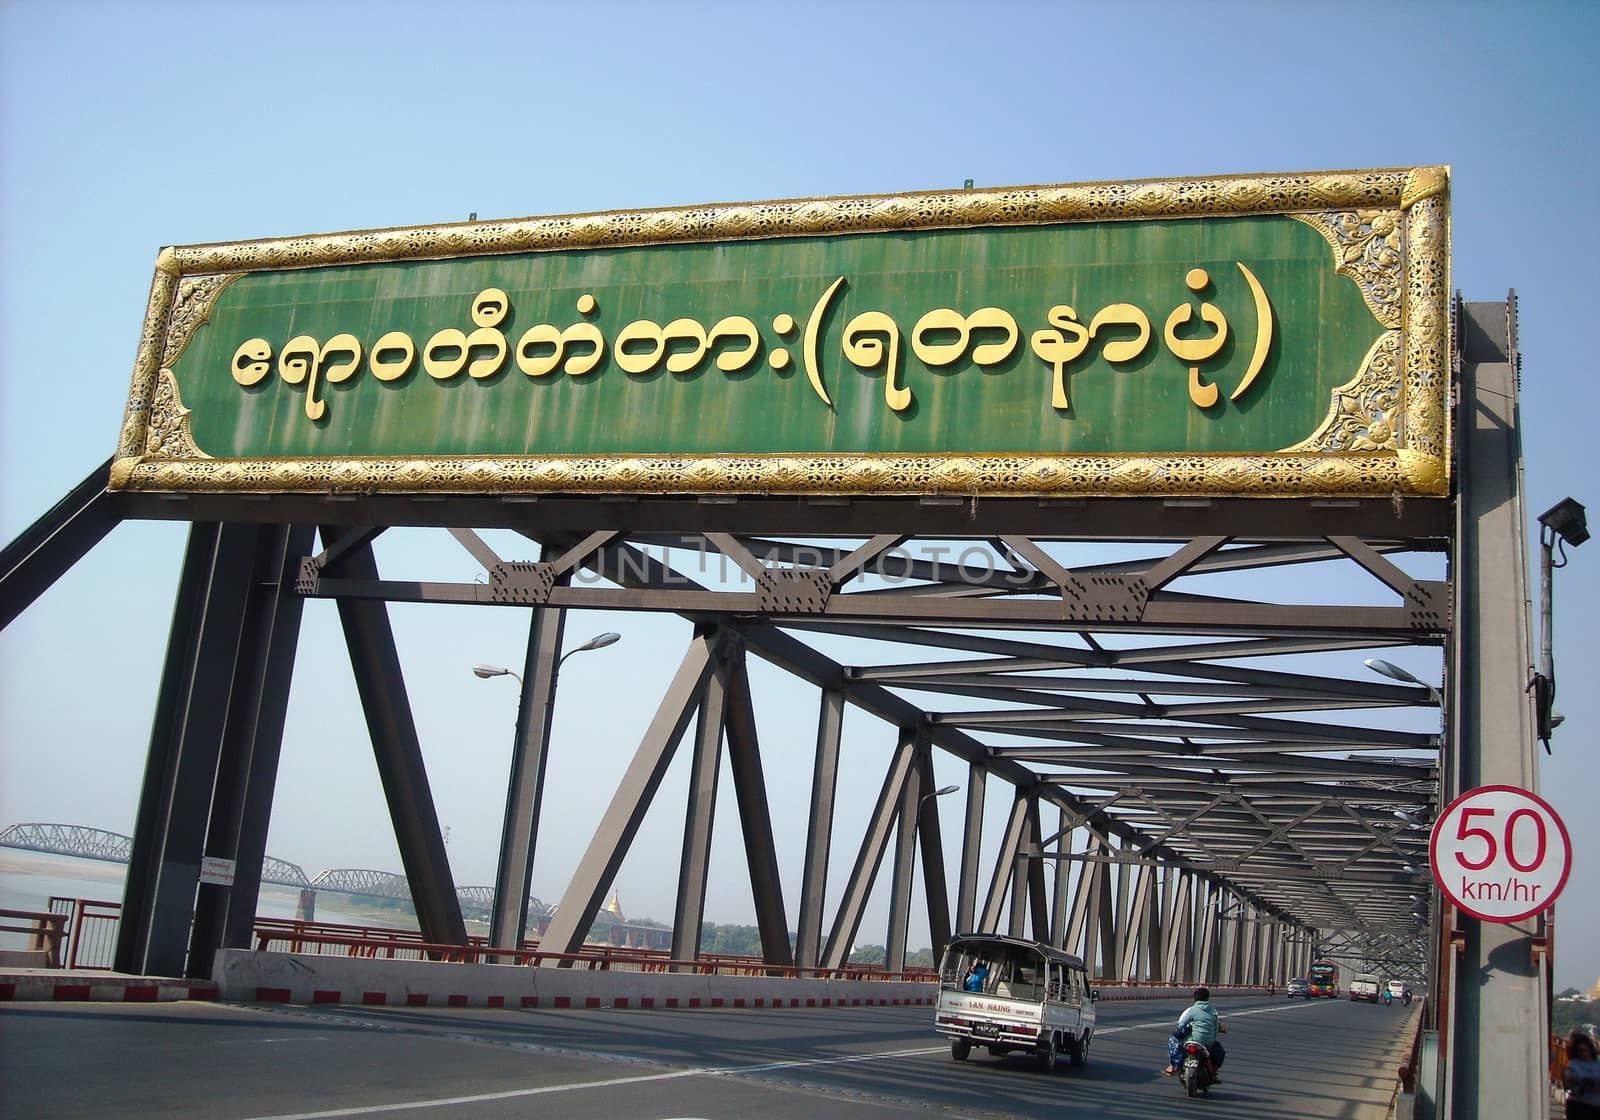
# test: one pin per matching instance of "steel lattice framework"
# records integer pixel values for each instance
(1125, 694)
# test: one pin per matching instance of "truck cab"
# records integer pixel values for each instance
(1008, 994)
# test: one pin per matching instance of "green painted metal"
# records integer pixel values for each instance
(1321, 328)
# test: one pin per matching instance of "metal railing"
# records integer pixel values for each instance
(91, 931)
(292, 936)
(88, 938)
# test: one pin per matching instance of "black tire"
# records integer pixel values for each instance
(1191, 1080)
(1078, 1052)
(960, 1048)
(1047, 1054)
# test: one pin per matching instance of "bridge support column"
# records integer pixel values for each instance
(519, 834)
(824, 786)
(935, 887)
(396, 748)
(603, 857)
(755, 815)
(205, 709)
(252, 743)
(1205, 947)
(695, 862)
(1060, 888)
(1496, 1037)
(847, 920)
(905, 858)
(971, 849)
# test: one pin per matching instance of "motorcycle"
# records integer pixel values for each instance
(1197, 1073)
(1388, 998)
(1406, 999)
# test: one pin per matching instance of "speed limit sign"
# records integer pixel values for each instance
(1500, 853)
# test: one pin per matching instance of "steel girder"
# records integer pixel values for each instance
(55, 542)
(1179, 721)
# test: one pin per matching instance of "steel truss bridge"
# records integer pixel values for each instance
(474, 901)
(1200, 780)
(113, 847)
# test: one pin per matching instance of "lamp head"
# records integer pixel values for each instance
(484, 672)
(600, 641)
(1392, 671)
(1566, 519)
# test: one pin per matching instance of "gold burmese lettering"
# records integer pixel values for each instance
(591, 343)
(944, 319)
(451, 350)
(735, 327)
(1068, 339)
(872, 342)
(252, 361)
(392, 356)
(872, 339)
(1203, 394)
(639, 362)
(305, 361)
(1058, 351)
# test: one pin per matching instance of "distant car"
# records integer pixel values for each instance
(1364, 989)
(1300, 988)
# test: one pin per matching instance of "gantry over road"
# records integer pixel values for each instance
(1131, 590)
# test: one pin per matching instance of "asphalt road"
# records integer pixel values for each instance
(226, 1062)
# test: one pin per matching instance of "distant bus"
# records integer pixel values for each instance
(1324, 977)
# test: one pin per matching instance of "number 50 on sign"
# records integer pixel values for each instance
(1500, 853)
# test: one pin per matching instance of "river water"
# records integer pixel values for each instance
(29, 879)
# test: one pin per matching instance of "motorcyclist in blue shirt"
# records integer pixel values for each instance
(1198, 1023)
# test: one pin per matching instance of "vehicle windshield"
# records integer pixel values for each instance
(995, 968)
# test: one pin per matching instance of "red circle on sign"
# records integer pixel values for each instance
(1480, 847)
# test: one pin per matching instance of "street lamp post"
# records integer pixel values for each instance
(599, 641)
(525, 789)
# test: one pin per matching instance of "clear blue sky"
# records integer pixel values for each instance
(126, 127)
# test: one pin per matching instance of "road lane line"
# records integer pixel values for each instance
(478, 1098)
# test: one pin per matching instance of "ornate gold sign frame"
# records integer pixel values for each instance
(1386, 431)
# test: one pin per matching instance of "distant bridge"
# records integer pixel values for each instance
(475, 901)
(113, 847)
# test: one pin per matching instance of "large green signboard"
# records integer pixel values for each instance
(1267, 335)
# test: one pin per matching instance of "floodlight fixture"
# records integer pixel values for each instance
(1566, 519)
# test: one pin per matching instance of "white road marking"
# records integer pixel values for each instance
(477, 1098)
(676, 1075)
(512, 1094)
